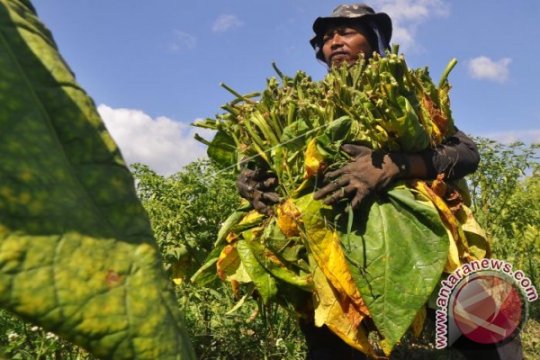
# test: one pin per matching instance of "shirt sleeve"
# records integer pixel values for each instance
(456, 157)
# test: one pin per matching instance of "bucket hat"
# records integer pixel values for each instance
(379, 23)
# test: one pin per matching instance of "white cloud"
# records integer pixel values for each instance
(404, 37)
(183, 40)
(407, 15)
(531, 136)
(484, 68)
(161, 143)
(225, 22)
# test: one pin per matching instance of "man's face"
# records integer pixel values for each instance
(344, 44)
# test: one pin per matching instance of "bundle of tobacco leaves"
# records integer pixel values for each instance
(337, 265)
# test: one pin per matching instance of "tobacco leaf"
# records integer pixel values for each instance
(277, 268)
(338, 313)
(324, 245)
(77, 254)
(228, 262)
(264, 282)
(313, 159)
(478, 244)
(396, 250)
(222, 149)
(411, 135)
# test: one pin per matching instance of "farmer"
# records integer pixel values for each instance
(349, 33)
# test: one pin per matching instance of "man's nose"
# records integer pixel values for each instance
(336, 41)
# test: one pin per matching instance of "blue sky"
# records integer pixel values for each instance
(153, 67)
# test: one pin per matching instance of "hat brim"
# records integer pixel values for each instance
(321, 24)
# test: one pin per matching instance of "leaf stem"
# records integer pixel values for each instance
(446, 71)
(235, 93)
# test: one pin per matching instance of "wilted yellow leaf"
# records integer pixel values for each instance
(231, 237)
(252, 217)
(324, 245)
(330, 257)
(338, 314)
(229, 267)
(313, 159)
(439, 122)
(453, 261)
(288, 216)
(228, 262)
(418, 323)
(460, 228)
(479, 246)
(457, 237)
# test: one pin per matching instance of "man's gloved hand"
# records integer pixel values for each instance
(368, 171)
(257, 186)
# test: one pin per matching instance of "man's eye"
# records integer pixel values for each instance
(348, 33)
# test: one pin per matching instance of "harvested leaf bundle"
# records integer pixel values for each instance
(356, 263)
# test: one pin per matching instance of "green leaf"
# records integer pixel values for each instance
(396, 256)
(222, 149)
(411, 135)
(273, 265)
(206, 274)
(264, 282)
(337, 132)
(77, 254)
(293, 137)
(231, 221)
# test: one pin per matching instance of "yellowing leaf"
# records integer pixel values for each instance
(229, 267)
(338, 314)
(228, 262)
(287, 218)
(439, 123)
(476, 236)
(468, 239)
(324, 245)
(457, 239)
(453, 261)
(252, 217)
(418, 323)
(232, 220)
(248, 221)
(313, 159)
(231, 237)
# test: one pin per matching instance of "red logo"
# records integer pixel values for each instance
(488, 309)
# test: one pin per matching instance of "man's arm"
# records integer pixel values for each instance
(456, 157)
(371, 170)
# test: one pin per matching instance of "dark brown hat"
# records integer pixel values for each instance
(379, 23)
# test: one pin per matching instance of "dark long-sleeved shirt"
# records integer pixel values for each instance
(456, 157)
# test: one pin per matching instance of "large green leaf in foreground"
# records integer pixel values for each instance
(396, 257)
(77, 255)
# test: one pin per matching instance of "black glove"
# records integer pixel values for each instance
(368, 171)
(257, 186)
